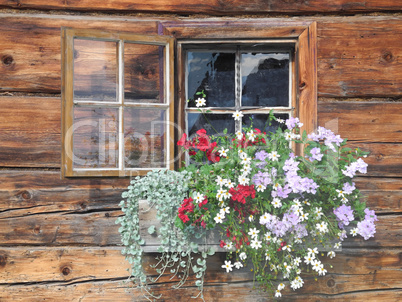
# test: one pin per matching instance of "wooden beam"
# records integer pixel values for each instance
(357, 56)
(213, 7)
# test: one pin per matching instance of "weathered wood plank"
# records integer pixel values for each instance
(363, 121)
(30, 47)
(353, 270)
(109, 290)
(99, 228)
(30, 138)
(352, 57)
(209, 6)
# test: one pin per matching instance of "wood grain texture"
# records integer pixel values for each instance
(213, 7)
(357, 56)
(30, 135)
(86, 270)
(363, 121)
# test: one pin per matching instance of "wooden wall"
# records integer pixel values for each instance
(58, 239)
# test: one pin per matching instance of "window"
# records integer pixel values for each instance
(253, 78)
(118, 104)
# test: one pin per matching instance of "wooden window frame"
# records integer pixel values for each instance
(68, 36)
(302, 34)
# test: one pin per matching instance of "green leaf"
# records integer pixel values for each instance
(151, 229)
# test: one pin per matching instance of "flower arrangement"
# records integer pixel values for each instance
(274, 209)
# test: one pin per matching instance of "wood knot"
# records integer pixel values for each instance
(83, 206)
(3, 260)
(7, 60)
(37, 229)
(387, 56)
(302, 85)
(380, 157)
(25, 194)
(331, 283)
(65, 270)
(107, 215)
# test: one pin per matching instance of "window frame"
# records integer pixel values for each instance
(67, 58)
(303, 33)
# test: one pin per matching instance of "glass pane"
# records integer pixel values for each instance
(95, 70)
(95, 137)
(143, 73)
(260, 121)
(214, 124)
(213, 73)
(144, 138)
(265, 79)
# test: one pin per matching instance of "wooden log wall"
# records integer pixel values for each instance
(58, 239)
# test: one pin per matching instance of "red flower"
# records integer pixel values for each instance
(204, 202)
(241, 192)
(186, 207)
(222, 243)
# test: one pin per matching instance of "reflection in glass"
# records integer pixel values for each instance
(95, 70)
(144, 138)
(260, 121)
(214, 124)
(213, 73)
(143, 73)
(95, 137)
(265, 79)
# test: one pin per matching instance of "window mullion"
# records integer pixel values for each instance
(120, 88)
(238, 87)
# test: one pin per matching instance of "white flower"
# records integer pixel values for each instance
(239, 135)
(316, 265)
(261, 188)
(243, 180)
(278, 293)
(287, 247)
(228, 266)
(268, 236)
(276, 202)
(226, 195)
(251, 218)
(331, 254)
(229, 245)
(288, 136)
(219, 218)
(228, 183)
(198, 197)
(322, 271)
(200, 102)
(287, 267)
(246, 160)
(242, 154)
(281, 286)
(297, 261)
(274, 156)
(296, 283)
(267, 256)
(237, 115)
(226, 210)
(251, 135)
(318, 212)
(223, 152)
(353, 232)
(303, 216)
(280, 120)
(337, 245)
(243, 256)
(308, 259)
(255, 244)
(238, 264)
(340, 193)
(313, 251)
(253, 233)
(322, 227)
(220, 181)
(264, 218)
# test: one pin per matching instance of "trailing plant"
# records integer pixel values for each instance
(274, 209)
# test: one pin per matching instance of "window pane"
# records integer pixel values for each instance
(144, 138)
(214, 124)
(143, 73)
(95, 70)
(265, 79)
(95, 137)
(260, 121)
(213, 73)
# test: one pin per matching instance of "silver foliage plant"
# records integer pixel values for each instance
(179, 254)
